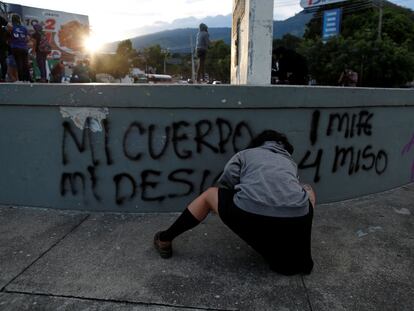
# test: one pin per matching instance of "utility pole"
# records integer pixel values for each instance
(166, 54)
(165, 64)
(381, 3)
(193, 78)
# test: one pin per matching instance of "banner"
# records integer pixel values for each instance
(66, 32)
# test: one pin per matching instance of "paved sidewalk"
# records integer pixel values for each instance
(52, 260)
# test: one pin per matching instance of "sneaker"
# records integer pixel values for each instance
(164, 248)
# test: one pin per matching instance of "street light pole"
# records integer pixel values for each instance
(165, 64)
(380, 19)
(166, 54)
(192, 60)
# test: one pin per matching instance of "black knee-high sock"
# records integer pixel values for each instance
(184, 222)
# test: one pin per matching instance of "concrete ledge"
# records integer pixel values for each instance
(201, 96)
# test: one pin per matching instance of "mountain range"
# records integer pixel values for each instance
(178, 40)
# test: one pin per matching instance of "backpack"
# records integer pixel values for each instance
(44, 45)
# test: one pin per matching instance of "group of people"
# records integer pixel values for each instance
(258, 196)
(288, 67)
(20, 49)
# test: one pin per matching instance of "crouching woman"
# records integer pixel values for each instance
(261, 200)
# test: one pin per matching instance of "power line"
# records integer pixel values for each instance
(286, 2)
(285, 5)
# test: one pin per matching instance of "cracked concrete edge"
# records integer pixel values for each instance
(33, 296)
(41, 255)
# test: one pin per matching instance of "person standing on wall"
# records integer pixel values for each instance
(348, 77)
(3, 53)
(19, 47)
(203, 42)
(42, 49)
(57, 72)
(80, 73)
(292, 67)
(261, 200)
(12, 75)
(4, 48)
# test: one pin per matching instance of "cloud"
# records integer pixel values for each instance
(187, 22)
(284, 12)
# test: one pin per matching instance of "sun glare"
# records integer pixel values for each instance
(92, 44)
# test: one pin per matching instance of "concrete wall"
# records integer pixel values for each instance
(154, 148)
(252, 38)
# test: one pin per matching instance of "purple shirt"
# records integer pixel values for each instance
(19, 37)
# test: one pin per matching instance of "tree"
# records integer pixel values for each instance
(124, 48)
(125, 58)
(154, 57)
(218, 61)
(382, 62)
(117, 65)
(288, 41)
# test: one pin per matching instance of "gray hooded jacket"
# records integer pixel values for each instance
(203, 38)
(265, 182)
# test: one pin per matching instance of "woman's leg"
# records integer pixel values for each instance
(193, 214)
(25, 64)
(18, 57)
(3, 65)
(21, 57)
(202, 67)
(41, 63)
(191, 217)
(204, 203)
(199, 75)
(201, 55)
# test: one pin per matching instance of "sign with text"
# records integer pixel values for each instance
(306, 4)
(331, 24)
(65, 31)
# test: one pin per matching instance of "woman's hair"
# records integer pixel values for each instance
(270, 135)
(38, 27)
(16, 20)
(203, 27)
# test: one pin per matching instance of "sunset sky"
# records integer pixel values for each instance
(116, 20)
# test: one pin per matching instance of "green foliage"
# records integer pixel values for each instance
(126, 57)
(124, 47)
(398, 25)
(218, 61)
(117, 65)
(183, 69)
(154, 57)
(381, 62)
(288, 41)
(103, 63)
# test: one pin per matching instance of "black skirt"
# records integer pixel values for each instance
(285, 243)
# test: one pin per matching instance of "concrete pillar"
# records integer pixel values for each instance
(251, 47)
